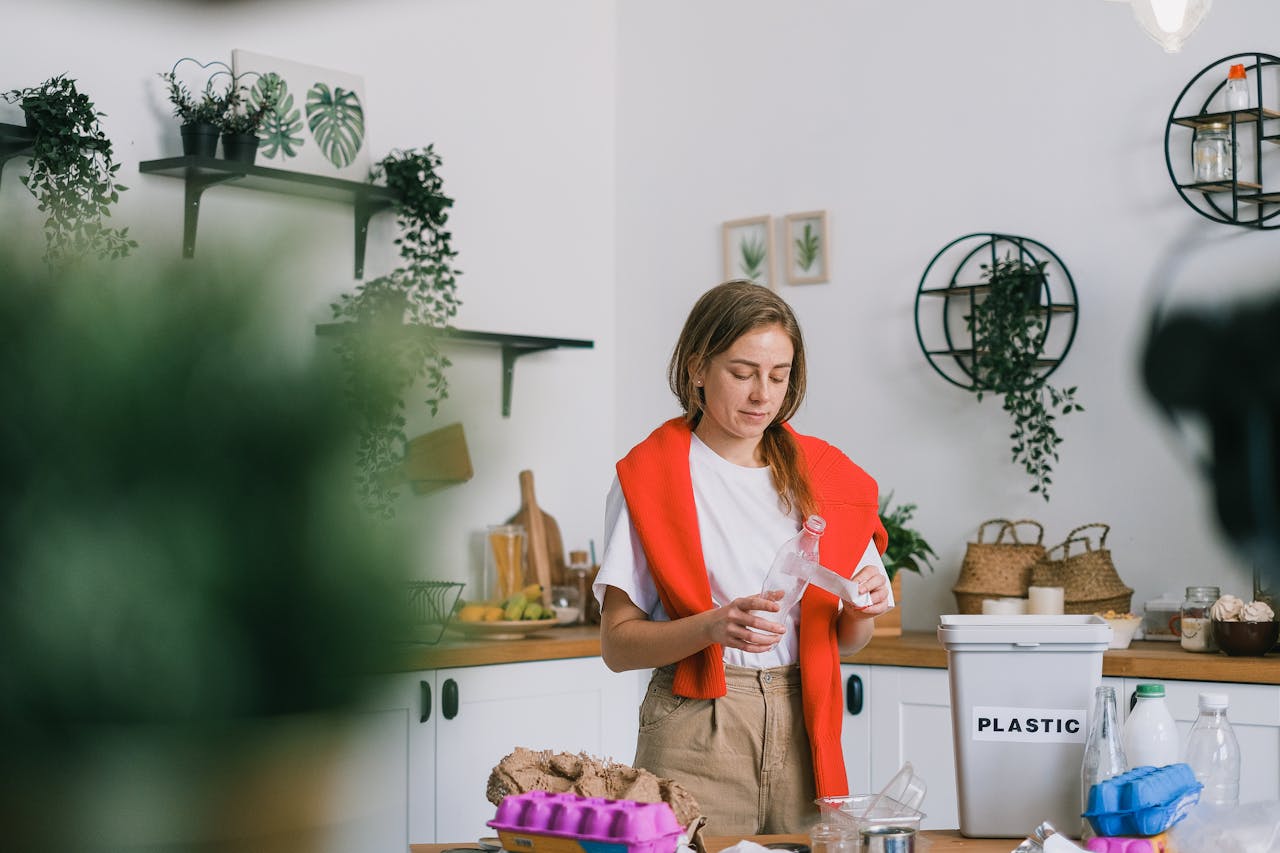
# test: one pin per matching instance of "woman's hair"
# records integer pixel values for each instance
(723, 314)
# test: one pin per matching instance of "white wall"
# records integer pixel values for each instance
(594, 149)
(517, 98)
(913, 123)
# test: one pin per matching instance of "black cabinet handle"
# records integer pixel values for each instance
(449, 699)
(424, 701)
(1133, 700)
(853, 695)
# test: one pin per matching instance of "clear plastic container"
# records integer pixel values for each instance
(897, 804)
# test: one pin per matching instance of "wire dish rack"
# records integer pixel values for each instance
(431, 606)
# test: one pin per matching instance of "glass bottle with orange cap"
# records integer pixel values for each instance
(1236, 93)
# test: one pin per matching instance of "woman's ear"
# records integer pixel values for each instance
(697, 371)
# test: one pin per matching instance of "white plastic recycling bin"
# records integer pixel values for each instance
(1021, 694)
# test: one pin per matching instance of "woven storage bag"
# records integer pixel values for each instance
(1089, 580)
(997, 569)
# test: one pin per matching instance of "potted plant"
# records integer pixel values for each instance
(243, 117)
(199, 115)
(72, 173)
(395, 321)
(907, 551)
(1008, 328)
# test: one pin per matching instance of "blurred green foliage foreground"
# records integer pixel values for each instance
(180, 550)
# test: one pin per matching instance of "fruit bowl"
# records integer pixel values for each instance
(1123, 627)
(503, 629)
(1246, 639)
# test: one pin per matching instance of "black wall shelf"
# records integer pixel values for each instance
(200, 173)
(1243, 199)
(512, 346)
(948, 293)
(15, 141)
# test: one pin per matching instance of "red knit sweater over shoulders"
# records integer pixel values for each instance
(658, 488)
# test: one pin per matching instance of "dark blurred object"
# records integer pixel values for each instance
(1245, 639)
(1223, 366)
(188, 591)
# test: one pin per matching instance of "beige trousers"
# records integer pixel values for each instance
(745, 756)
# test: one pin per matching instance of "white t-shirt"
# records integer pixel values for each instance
(741, 525)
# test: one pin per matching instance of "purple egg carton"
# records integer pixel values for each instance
(1143, 801)
(542, 822)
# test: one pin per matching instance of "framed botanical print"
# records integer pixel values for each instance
(748, 249)
(805, 235)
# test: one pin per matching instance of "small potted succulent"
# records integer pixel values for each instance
(246, 109)
(199, 114)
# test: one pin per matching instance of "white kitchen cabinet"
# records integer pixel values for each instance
(911, 721)
(571, 705)
(416, 767)
(1254, 714)
(855, 734)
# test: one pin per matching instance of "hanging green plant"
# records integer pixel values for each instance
(72, 173)
(394, 321)
(1008, 328)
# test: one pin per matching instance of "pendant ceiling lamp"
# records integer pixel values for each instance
(1170, 22)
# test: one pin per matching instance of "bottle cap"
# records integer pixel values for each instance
(1150, 691)
(815, 524)
(1236, 73)
(1214, 701)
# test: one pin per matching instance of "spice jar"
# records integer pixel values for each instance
(1197, 625)
(1213, 153)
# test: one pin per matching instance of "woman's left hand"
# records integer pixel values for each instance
(872, 582)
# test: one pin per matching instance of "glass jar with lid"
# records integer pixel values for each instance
(1213, 153)
(1197, 625)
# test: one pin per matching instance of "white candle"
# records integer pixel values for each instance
(1016, 606)
(1045, 600)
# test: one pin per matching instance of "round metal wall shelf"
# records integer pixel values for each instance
(953, 283)
(1250, 197)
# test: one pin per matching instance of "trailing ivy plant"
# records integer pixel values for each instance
(72, 173)
(394, 323)
(1008, 328)
(907, 548)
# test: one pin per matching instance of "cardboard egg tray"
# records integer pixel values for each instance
(541, 822)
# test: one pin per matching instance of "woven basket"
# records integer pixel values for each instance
(997, 569)
(1089, 580)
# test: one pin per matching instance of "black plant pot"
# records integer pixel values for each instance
(200, 139)
(240, 146)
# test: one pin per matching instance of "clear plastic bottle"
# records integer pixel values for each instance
(793, 566)
(1235, 94)
(1214, 753)
(1150, 736)
(1103, 751)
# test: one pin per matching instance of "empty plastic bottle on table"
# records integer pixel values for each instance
(1150, 737)
(1103, 752)
(794, 564)
(1236, 92)
(1214, 753)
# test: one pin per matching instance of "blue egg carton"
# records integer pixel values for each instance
(1143, 801)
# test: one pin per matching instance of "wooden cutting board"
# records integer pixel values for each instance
(546, 549)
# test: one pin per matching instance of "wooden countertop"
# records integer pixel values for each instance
(1162, 660)
(941, 841)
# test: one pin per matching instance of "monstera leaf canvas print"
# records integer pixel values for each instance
(318, 124)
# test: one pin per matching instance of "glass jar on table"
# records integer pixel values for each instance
(1197, 621)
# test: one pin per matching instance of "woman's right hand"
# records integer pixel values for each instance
(735, 626)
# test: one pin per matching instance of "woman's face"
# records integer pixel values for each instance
(743, 389)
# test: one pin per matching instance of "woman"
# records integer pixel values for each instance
(742, 711)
